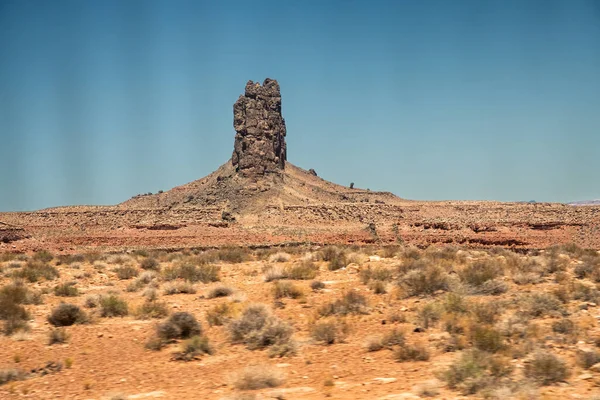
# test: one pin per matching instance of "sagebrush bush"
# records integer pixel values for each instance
(588, 358)
(152, 309)
(376, 274)
(408, 352)
(393, 338)
(66, 290)
(220, 291)
(317, 285)
(378, 287)
(546, 368)
(303, 271)
(220, 314)
(474, 371)
(487, 338)
(351, 303)
(540, 304)
(283, 289)
(234, 255)
(11, 375)
(257, 377)
(193, 347)
(424, 281)
(337, 258)
(178, 287)
(564, 326)
(180, 325)
(279, 257)
(480, 272)
(66, 314)
(329, 332)
(113, 305)
(257, 328)
(150, 263)
(204, 273)
(35, 270)
(57, 336)
(429, 315)
(126, 272)
(43, 256)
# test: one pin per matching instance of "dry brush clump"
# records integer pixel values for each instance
(205, 273)
(351, 302)
(35, 270)
(180, 325)
(330, 331)
(66, 314)
(112, 305)
(257, 377)
(258, 328)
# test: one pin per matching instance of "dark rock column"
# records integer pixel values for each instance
(259, 146)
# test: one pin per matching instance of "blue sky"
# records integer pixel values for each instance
(432, 100)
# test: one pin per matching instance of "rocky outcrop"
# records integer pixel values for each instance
(259, 147)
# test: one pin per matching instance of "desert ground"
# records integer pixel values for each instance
(301, 322)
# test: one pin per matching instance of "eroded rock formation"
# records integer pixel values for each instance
(259, 146)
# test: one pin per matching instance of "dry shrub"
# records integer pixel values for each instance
(488, 312)
(180, 325)
(204, 273)
(588, 358)
(329, 332)
(486, 338)
(126, 272)
(317, 285)
(351, 303)
(194, 347)
(541, 304)
(234, 255)
(279, 257)
(66, 315)
(393, 338)
(564, 326)
(220, 314)
(150, 263)
(257, 328)
(178, 287)
(336, 257)
(283, 289)
(408, 352)
(57, 336)
(425, 281)
(257, 377)
(303, 271)
(480, 272)
(113, 305)
(546, 368)
(475, 371)
(377, 274)
(35, 270)
(11, 375)
(526, 278)
(66, 290)
(43, 256)
(378, 287)
(429, 315)
(152, 309)
(220, 291)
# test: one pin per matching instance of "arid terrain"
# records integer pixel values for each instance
(333, 322)
(262, 280)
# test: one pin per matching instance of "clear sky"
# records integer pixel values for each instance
(432, 100)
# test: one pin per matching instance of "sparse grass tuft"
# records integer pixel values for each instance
(152, 309)
(150, 263)
(220, 314)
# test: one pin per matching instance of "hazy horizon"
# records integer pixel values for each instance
(430, 100)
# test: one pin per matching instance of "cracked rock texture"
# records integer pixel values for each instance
(259, 147)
